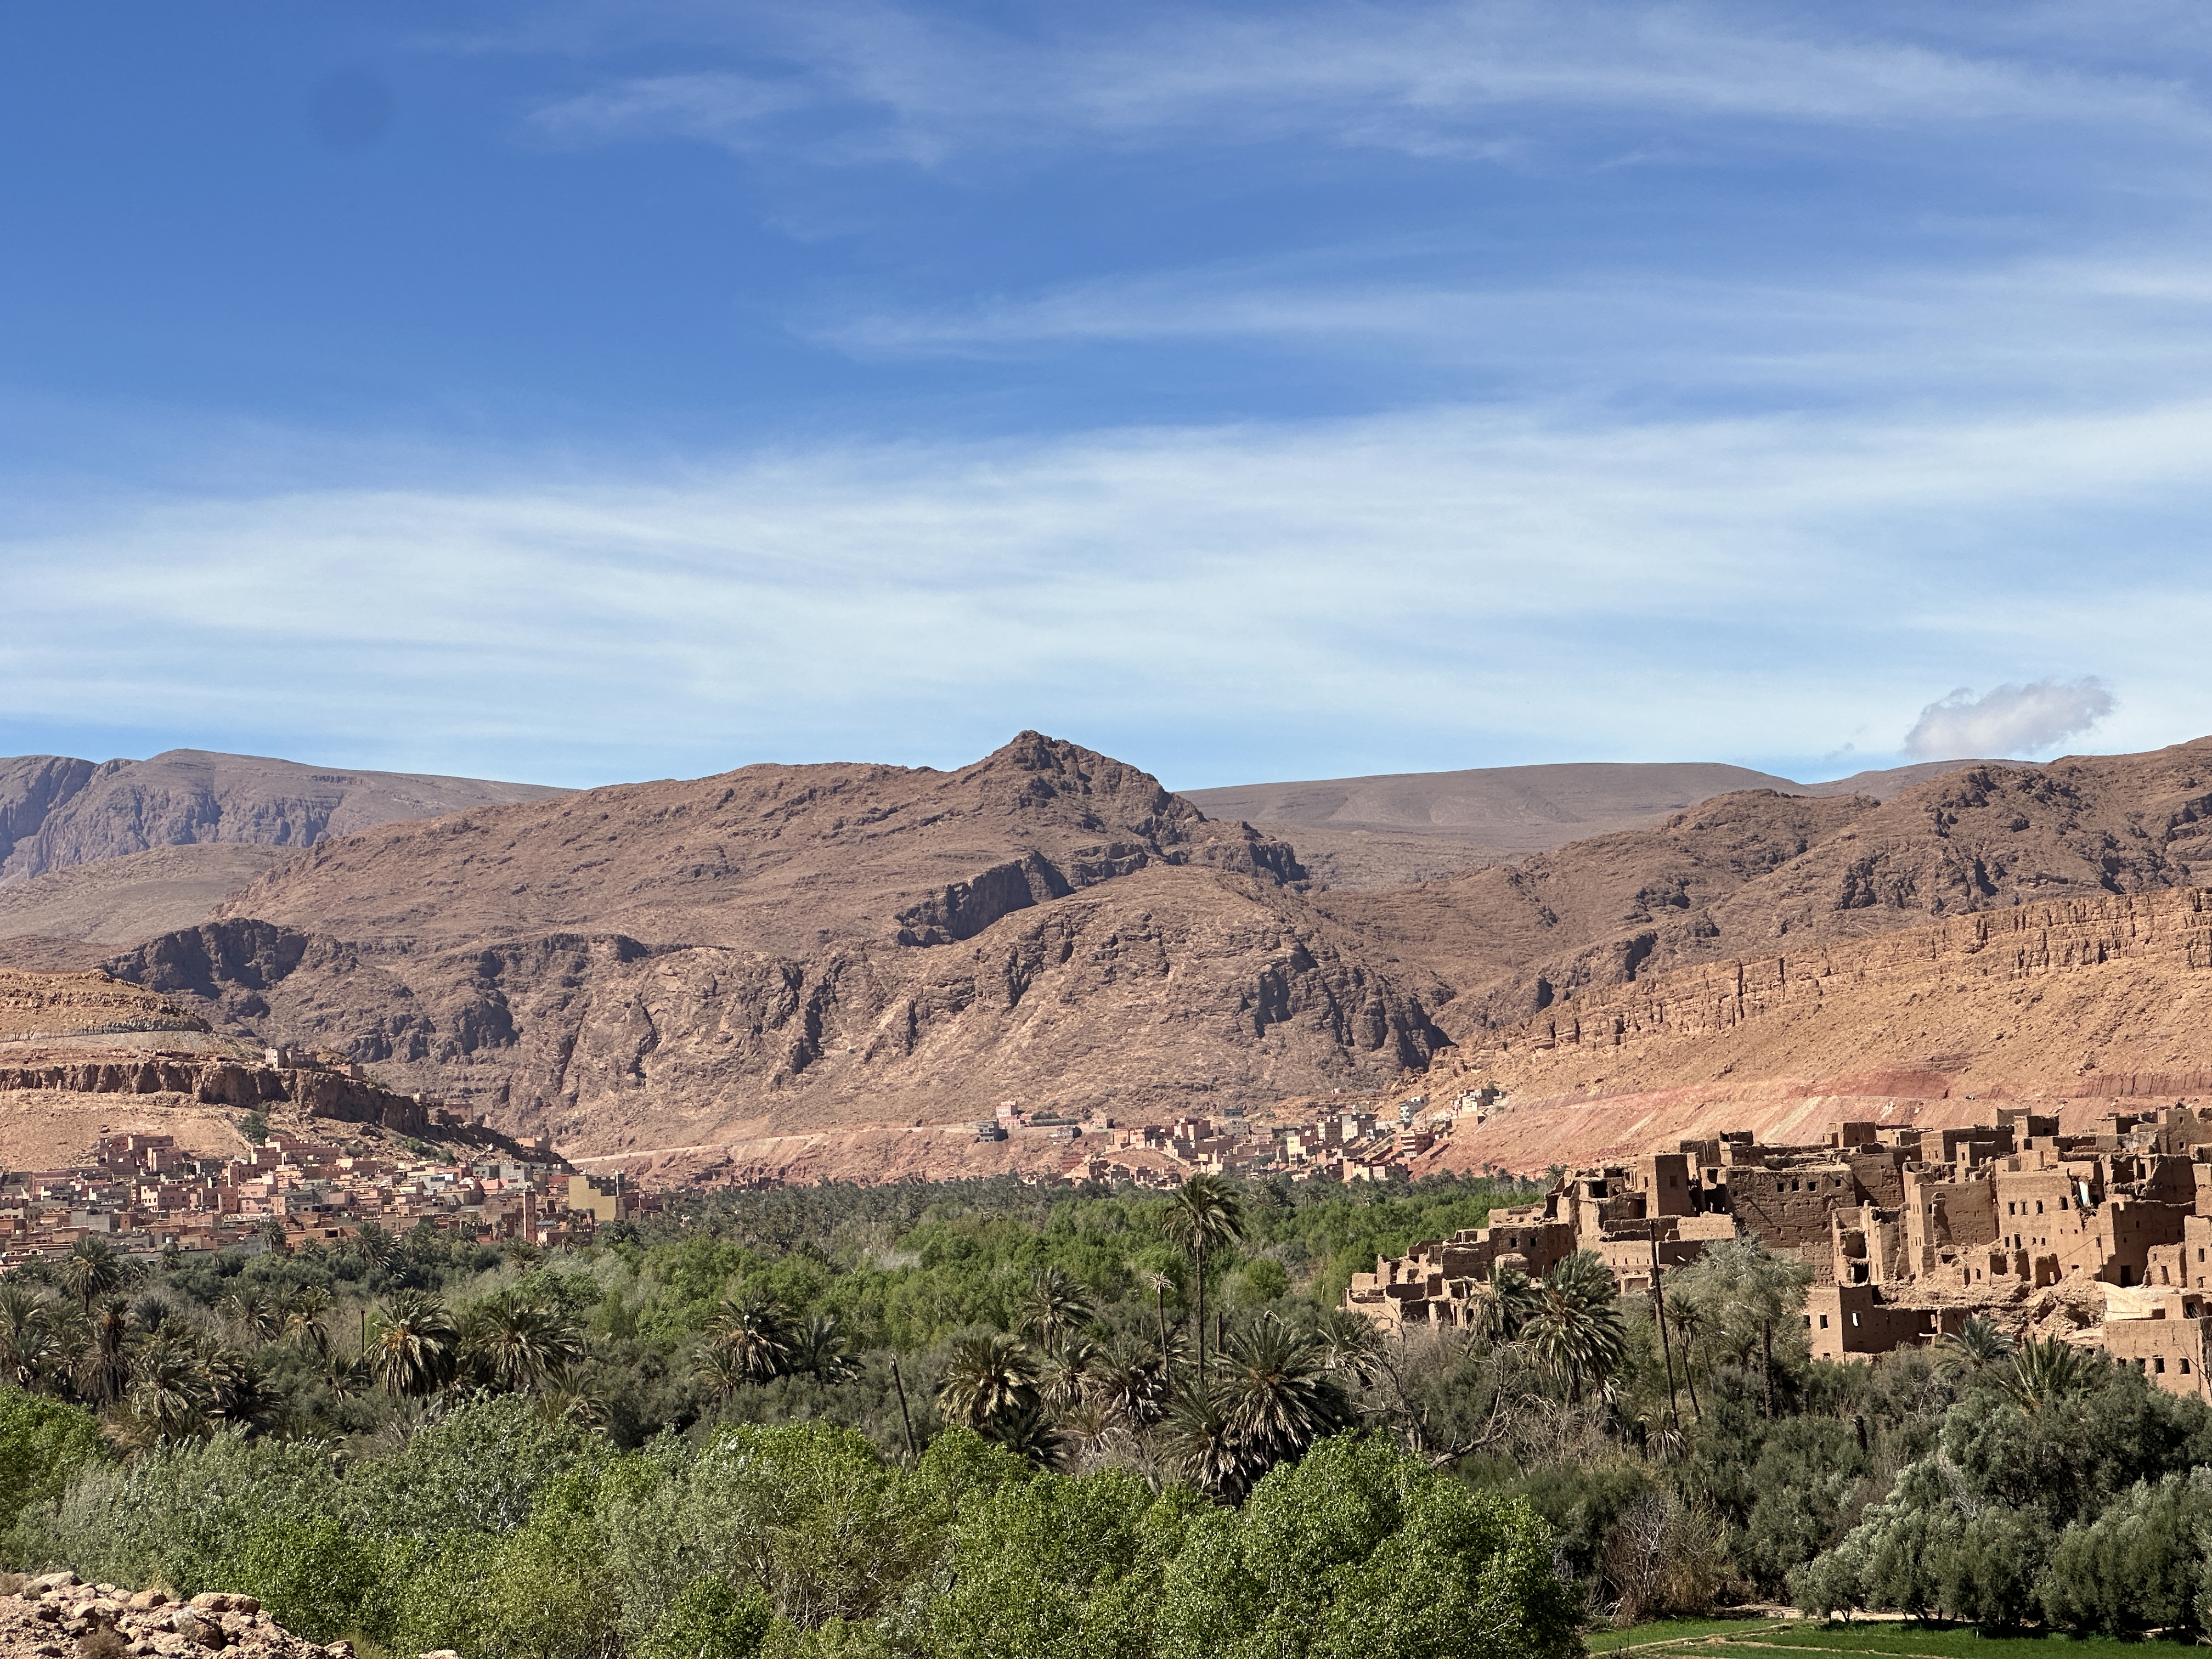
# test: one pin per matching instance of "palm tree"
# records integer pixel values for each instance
(92, 1269)
(414, 1345)
(1202, 1444)
(570, 1399)
(1158, 1283)
(1974, 1346)
(239, 1393)
(1069, 1371)
(1350, 1345)
(822, 1349)
(303, 1312)
(1576, 1330)
(376, 1247)
(29, 1343)
(1276, 1383)
(755, 1336)
(169, 1389)
(251, 1314)
(105, 1373)
(150, 1312)
(1689, 1322)
(1131, 1381)
(1031, 1434)
(519, 1346)
(988, 1377)
(1053, 1305)
(721, 1370)
(2042, 1373)
(345, 1375)
(1504, 1302)
(1203, 1214)
(1094, 1430)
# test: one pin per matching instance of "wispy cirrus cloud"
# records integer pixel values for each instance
(720, 107)
(2124, 323)
(1442, 587)
(1437, 79)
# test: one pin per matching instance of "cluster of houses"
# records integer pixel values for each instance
(1907, 1233)
(142, 1191)
(1354, 1142)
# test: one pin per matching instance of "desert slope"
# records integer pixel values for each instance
(122, 900)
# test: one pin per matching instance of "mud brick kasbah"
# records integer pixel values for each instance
(2103, 1240)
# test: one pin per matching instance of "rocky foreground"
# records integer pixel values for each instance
(56, 1615)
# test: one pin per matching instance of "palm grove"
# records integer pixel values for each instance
(978, 1419)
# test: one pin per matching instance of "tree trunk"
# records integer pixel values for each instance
(1666, 1344)
(1201, 1254)
(1766, 1365)
(912, 1451)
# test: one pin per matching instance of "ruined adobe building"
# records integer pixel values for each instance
(1907, 1233)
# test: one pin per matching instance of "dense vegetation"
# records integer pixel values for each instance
(978, 1419)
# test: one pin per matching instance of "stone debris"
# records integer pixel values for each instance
(57, 1616)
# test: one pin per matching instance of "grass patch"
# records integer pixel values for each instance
(1747, 1637)
(1951, 1643)
(1667, 1630)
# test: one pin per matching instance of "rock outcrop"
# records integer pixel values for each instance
(317, 1093)
(50, 1005)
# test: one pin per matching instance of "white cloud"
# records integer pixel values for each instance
(1445, 587)
(2008, 721)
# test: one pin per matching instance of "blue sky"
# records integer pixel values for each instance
(582, 392)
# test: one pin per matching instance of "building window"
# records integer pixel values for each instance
(2185, 1368)
(2039, 1207)
(2160, 1366)
(1824, 1321)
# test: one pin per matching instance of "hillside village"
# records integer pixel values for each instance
(1906, 1233)
(143, 1193)
(350, 1154)
(1360, 1139)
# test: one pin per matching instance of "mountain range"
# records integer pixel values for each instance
(841, 967)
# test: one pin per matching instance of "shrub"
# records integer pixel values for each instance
(42, 1444)
(711, 1619)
